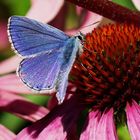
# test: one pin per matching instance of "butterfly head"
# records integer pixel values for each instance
(81, 37)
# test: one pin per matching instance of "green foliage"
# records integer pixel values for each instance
(123, 132)
(37, 98)
(12, 122)
(125, 3)
(17, 7)
(72, 18)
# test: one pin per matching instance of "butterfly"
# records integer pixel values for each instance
(48, 54)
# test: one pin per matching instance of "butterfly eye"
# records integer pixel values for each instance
(80, 37)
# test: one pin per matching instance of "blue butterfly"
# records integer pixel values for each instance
(48, 54)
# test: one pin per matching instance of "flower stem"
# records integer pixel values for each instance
(110, 10)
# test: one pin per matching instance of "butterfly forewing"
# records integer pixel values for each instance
(30, 37)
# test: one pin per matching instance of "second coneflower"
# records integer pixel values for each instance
(107, 79)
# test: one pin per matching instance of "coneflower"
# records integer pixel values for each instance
(106, 77)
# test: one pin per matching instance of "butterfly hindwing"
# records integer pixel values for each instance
(30, 37)
(40, 72)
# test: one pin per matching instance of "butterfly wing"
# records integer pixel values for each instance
(30, 37)
(69, 56)
(40, 72)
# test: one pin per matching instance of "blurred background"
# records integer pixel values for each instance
(68, 18)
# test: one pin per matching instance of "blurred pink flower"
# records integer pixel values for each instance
(6, 134)
(88, 22)
(11, 83)
(21, 107)
(137, 4)
(51, 8)
(9, 65)
(11, 101)
(44, 10)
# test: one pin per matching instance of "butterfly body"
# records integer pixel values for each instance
(48, 54)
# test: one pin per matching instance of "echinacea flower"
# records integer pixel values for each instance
(111, 79)
(106, 77)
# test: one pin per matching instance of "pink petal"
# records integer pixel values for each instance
(21, 107)
(12, 83)
(6, 134)
(59, 124)
(106, 128)
(52, 102)
(136, 3)
(90, 126)
(9, 65)
(45, 10)
(90, 18)
(133, 120)
(100, 127)
(79, 10)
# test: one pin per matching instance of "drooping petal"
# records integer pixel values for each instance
(6, 134)
(90, 126)
(106, 128)
(78, 10)
(133, 120)
(53, 100)
(136, 3)
(90, 18)
(9, 65)
(45, 10)
(21, 107)
(100, 127)
(12, 83)
(59, 124)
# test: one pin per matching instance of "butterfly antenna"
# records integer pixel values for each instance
(90, 24)
(81, 35)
